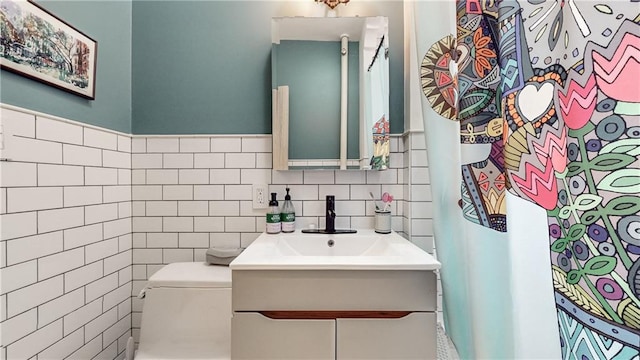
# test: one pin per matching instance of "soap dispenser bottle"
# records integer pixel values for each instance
(288, 215)
(273, 216)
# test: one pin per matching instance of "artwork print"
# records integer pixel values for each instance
(38, 45)
(548, 97)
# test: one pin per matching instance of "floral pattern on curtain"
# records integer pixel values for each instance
(548, 99)
(572, 148)
(479, 113)
(460, 78)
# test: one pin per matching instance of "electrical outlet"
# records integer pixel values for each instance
(260, 196)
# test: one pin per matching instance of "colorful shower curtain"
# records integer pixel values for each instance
(535, 101)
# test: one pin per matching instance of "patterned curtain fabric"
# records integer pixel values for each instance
(572, 147)
(547, 97)
(476, 294)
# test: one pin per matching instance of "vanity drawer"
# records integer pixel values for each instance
(410, 337)
(391, 290)
(255, 336)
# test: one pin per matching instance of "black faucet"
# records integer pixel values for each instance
(330, 220)
(330, 214)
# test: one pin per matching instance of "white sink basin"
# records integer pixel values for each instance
(335, 245)
(365, 250)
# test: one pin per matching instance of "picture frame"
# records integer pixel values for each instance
(39, 45)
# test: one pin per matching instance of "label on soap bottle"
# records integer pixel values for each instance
(273, 223)
(288, 222)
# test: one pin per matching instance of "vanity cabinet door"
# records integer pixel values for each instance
(255, 337)
(410, 337)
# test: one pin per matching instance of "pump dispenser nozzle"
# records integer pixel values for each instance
(288, 216)
(273, 216)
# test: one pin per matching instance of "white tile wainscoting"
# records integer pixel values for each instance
(89, 214)
(192, 193)
(65, 239)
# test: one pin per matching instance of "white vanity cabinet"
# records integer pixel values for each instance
(333, 314)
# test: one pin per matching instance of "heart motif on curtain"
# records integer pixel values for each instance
(534, 101)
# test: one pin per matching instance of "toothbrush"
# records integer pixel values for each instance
(374, 200)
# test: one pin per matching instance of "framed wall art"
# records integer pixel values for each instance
(39, 45)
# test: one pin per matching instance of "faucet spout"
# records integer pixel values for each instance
(330, 218)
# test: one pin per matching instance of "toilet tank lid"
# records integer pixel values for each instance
(191, 275)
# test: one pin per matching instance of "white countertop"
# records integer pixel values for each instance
(365, 250)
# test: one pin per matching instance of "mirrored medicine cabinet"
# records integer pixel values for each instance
(330, 92)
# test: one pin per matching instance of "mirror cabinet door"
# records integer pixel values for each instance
(334, 73)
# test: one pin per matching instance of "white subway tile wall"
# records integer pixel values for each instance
(65, 239)
(419, 209)
(89, 215)
(191, 193)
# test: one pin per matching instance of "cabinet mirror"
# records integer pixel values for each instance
(330, 81)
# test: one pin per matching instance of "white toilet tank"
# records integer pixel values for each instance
(187, 313)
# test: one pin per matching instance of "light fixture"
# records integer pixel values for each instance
(333, 3)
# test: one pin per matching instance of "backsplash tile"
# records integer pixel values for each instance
(57, 308)
(83, 276)
(31, 296)
(20, 326)
(60, 263)
(178, 192)
(255, 176)
(3, 202)
(177, 161)
(81, 155)
(256, 144)
(224, 176)
(33, 198)
(100, 176)
(97, 213)
(64, 235)
(18, 276)
(162, 145)
(18, 123)
(33, 247)
(81, 195)
(226, 144)
(209, 160)
(195, 145)
(178, 222)
(124, 144)
(22, 149)
(146, 161)
(19, 174)
(47, 129)
(193, 176)
(100, 139)
(138, 145)
(100, 213)
(35, 342)
(51, 220)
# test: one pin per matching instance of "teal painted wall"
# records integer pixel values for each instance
(312, 69)
(197, 67)
(109, 23)
(203, 67)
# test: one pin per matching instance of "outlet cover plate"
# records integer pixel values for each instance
(260, 196)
